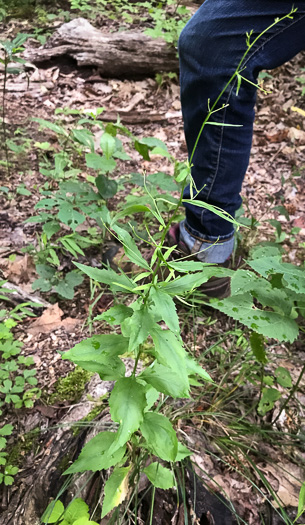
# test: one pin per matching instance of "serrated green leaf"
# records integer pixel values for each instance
(130, 210)
(122, 155)
(160, 436)
(42, 284)
(75, 510)
(100, 354)
(244, 281)
(143, 149)
(293, 275)
(269, 324)
(99, 163)
(159, 476)
(269, 397)
(191, 281)
(188, 266)
(50, 228)
(153, 142)
(115, 315)
(194, 368)
(183, 452)
(130, 248)
(66, 287)
(116, 489)
(152, 395)
(165, 380)
(170, 352)
(84, 521)
(95, 454)
(163, 308)
(140, 325)
(257, 344)
(69, 216)
(109, 276)
(53, 512)
(127, 403)
(283, 377)
(45, 271)
(8, 480)
(163, 180)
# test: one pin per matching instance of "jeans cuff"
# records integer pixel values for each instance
(204, 237)
(214, 250)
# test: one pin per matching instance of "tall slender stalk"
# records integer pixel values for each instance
(293, 391)
(4, 113)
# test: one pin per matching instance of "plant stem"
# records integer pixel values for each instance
(293, 390)
(261, 383)
(165, 231)
(3, 113)
(232, 78)
(152, 506)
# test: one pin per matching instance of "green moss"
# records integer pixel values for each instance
(24, 445)
(65, 462)
(71, 387)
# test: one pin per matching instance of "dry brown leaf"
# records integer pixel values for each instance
(203, 465)
(220, 481)
(286, 480)
(296, 134)
(50, 320)
(138, 97)
(21, 270)
(279, 136)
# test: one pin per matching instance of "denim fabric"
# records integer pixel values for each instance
(210, 48)
(207, 251)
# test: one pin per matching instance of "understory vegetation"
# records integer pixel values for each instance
(241, 395)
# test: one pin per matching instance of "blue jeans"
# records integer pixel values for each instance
(210, 48)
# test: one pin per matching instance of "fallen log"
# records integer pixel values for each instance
(114, 54)
(41, 478)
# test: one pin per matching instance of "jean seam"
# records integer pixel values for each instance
(229, 96)
(211, 239)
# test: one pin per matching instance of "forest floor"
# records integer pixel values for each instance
(275, 178)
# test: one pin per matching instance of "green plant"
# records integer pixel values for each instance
(77, 513)
(11, 49)
(63, 284)
(165, 18)
(168, 23)
(301, 81)
(9, 471)
(80, 5)
(71, 387)
(146, 328)
(69, 203)
(17, 377)
(164, 79)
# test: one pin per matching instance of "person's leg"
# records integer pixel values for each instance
(210, 48)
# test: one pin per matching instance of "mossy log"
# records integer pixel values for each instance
(40, 479)
(123, 54)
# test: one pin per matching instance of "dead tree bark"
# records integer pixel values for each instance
(114, 54)
(41, 478)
